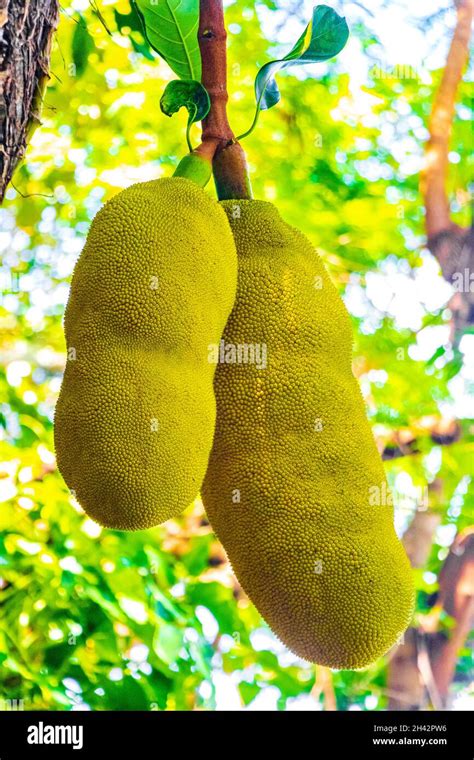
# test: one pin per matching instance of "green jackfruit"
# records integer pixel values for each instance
(152, 288)
(295, 486)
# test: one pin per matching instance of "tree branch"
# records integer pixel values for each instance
(405, 685)
(212, 39)
(323, 684)
(218, 143)
(410, 441)
(406, 682)
(26, 30)
(435, 172)
(426, 661)
(418, 538)
(456, 597)
(452, 245)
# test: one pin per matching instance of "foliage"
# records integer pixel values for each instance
(170, 27)
(155, 620)
(323, 38)
(190, 94)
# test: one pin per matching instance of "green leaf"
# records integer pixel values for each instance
(127, 694)
(170, 26)
(439, 352)
(128, 21)
(160, 688)
(196, 560)
(190, 94)
(248, 691)
(56, 656)
(217, 599)
(323, 38)
(128, 24)
(60, 698)
(168, 642)
(82, 45)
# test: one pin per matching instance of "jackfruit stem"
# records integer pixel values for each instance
(218, 142)
(196, 168)
(231, 174)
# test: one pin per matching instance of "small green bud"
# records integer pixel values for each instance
(196, 168)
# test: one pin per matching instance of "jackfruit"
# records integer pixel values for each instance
(135, 417)
(295, 488)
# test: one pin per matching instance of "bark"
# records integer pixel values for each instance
(456, 597)
(409, 664)
(212, 38)
(423, 667)
(418, 539)
(229, 165)
(435, 174)
(452, 245)
(26, 30)
(405, 684)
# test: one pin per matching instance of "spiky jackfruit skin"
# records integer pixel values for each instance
(294, 466)
(151, 290)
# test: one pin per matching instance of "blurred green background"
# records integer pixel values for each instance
(97, 619)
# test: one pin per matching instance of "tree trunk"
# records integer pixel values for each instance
(406, 685)
(456, 597)
(423, 667)
(26, 30)
(453, 246)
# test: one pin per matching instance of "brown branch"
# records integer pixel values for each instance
(426, 661)
(26, 30)
(452, 245)
(212, 45)
(323, 684)
(418, 538)
(406, 682)
(405, 685)
(212, 38)
(434, 175)
(456, 597)
(230, 166)
(409, 442)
